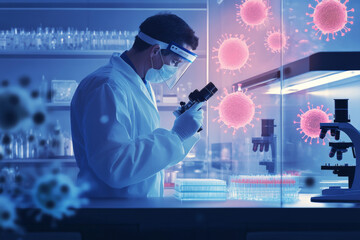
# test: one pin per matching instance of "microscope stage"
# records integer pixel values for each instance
(342, 195)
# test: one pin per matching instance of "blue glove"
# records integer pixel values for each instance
(188, 123)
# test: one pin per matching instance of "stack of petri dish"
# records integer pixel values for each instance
(200, 189)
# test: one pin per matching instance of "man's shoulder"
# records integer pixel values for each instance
(105, 75)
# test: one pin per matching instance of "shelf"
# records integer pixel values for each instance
(65, 54)
(65, 161)
(313, 67)
(97, 54)
(58, 106)
(66, 107)
(128, 6)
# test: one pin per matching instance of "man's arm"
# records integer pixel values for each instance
(116, 158)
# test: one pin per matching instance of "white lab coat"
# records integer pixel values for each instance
(118, 145)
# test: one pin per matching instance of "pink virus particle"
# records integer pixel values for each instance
(310, 122)
(276, 41)
(237, 109)
(330, 17)
(252, 13)
(232, 53)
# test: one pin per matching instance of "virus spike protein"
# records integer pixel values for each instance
(236, 110)
(275, 41)
(330, 17)
(310, 122)
(232, 53)
(252, 13)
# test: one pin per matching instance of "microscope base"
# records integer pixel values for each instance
(336, 194)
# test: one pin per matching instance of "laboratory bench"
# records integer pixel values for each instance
(169, 218)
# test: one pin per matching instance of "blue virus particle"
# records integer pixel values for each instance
(8, 214)
(7, 180)
(56, 195)
(20, 109)
(12, 183)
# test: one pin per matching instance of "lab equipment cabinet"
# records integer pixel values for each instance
(283, 80)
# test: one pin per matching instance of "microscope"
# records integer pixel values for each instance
(342, 123)
(265, 142)
(196, 97)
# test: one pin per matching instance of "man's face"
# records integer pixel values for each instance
(172, 59)
(167, 57)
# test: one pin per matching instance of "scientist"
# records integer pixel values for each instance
(119, 147)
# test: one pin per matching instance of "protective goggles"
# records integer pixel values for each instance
(183, 57)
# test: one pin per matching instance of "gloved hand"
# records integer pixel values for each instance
(188, 123)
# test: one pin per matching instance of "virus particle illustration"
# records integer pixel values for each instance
(56, 195)
(233, 53)
(236, 109)
(330, 17)
(7, 213)
(252, 13)
(310, 122)
(8, 177)
(276, 41)
(20, 109)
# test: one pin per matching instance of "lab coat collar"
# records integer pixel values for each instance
(120, 65)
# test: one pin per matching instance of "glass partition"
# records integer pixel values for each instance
(325, 34)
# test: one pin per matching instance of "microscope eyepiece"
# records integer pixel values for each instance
(255, 147)
(332, 132)
(323, 133)
(261, 147)
(337, 134)
(267, 147)
(332, 152)
(339, 155)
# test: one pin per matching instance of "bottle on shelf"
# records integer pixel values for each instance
(53, 39)
(18, 149)
(16, 38)
(57, 141)
(2, 40)
(61, 40)
(94, 40)
(71, 39)
(9, 40)
(31, 144)
(43, 145)
(33, 41)
(76, 40)
(68, 146)
(39, 39)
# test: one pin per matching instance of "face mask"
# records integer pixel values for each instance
(160, 75)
